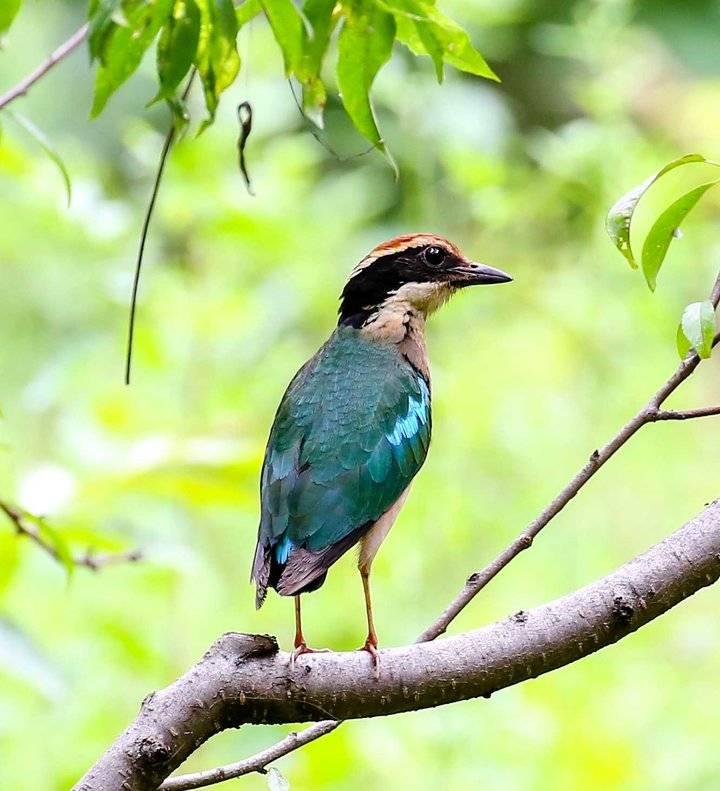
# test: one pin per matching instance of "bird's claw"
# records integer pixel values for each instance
(371, 647)
(303, 648)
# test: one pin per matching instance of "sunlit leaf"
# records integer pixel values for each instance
(39, 137)
(247, 10)
(697, 329)
(364, 46)
(124, 47)
(276, 781)
(8, 12)
(425, 30)
(620, 216)
(286, 25)
(217, 61)
(177, 46)
(665, 228)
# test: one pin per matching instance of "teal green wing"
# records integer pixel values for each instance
(351, 432)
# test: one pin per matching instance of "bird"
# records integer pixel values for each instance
(353, 427)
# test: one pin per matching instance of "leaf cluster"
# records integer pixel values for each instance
(697, 326)
(202, 35)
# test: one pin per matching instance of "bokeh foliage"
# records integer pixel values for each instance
(528, 379)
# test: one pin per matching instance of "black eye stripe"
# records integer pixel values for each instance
(370, 286)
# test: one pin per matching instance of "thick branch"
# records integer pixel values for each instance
(91, 560)
(245, 679)
(59, 54)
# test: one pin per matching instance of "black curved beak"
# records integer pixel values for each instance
(474, 274)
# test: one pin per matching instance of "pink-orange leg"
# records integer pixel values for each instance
(371, 641)
(301, 647)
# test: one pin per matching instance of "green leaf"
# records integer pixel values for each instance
(40, 138)
(425, 30)
(315, 36)
(100, 21)
(125, 45)
(286, 24)
(364, 46)
(247, 10)
(620, 215)
(665, 229)
(682, 343)
(697, 329)
(275, 780)
(8, 12)
(177, 46)
(217, 61)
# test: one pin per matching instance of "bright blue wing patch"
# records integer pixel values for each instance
(407, 426)
(283, 549)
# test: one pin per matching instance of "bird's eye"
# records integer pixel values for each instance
(434, 255)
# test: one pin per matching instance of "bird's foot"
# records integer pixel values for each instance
(371, 647)
(304, 648)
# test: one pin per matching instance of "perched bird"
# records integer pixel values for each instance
(353, 428)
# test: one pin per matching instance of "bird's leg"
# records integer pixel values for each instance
(301, 647)
(371, 641)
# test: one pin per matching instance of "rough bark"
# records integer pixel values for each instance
(246, 679)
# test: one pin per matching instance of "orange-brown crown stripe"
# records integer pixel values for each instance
(405, 242)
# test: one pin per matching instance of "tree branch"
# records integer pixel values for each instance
(245, 679)
(59, 54)
(91, 560)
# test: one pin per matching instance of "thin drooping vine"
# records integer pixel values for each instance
(167, 145)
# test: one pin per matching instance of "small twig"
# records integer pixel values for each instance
(255, 763)
(61, 52)
(90, 560)
(650, 413)
(169, 138)
(715, 296)
(687, 414)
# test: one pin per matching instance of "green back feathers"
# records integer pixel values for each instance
(351, 432)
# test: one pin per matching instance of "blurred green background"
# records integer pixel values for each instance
(238, 291)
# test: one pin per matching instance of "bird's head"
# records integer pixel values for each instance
(418, 271)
